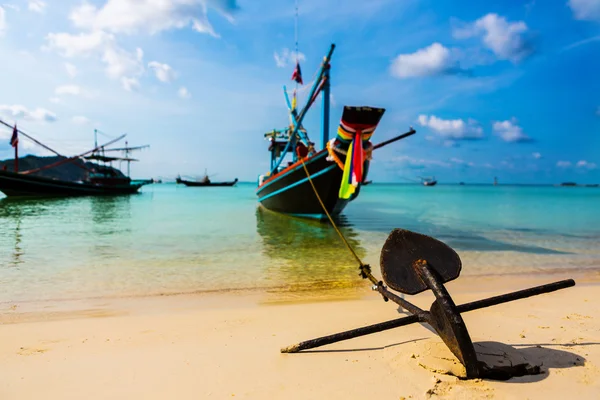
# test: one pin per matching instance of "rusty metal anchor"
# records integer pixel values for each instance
(412, 263)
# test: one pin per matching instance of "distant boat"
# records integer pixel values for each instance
(205, 181)
(568, 184)
(100, 180)
(429, 181)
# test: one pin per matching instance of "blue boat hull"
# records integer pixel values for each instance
(290, 191)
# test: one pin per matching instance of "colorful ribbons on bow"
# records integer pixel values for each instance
(356, 135)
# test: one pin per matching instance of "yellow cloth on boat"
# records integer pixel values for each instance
(293, 103)
(346, 188)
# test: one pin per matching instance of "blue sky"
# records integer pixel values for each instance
(507, 89)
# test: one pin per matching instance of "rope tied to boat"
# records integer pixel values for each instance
(365, 269)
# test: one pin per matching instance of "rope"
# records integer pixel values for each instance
(332, 150)
(334, 156)
(365, 269)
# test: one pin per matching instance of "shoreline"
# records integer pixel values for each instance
(15, 312)
(352, 290)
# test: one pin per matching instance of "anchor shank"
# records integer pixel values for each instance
(520, 294)
(445, 318)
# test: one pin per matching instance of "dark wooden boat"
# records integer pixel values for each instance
(101, 180)
(16, 184)
(337, 180)
(200, 183)
(205, 181)
(428, 181)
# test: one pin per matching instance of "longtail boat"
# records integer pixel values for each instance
(204, 181)
(428, 181)
(100, 180)
(201, 183)
(337, 171)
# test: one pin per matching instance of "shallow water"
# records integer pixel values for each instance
(172, 239)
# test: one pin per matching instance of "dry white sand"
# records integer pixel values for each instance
(228, 345)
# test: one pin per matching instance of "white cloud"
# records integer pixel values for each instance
(71, 69)
(454, 129)
(587, 10)
(563, 164)
(68, 89)
(150, 16)
(509, 131)
(507, 40)
(537, 156)
(121, 63)
(287, 57)
(418, 163)
(11, 6)
(586, 164)
(462, 162)
(163, 72)
(80, 120)
(432, 60)
(99, 26)
(17, 111)
(2, 21)
(184, 93)
(82, 44)
(36, 6)
(130, 84)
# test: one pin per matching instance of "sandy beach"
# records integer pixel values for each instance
(228, 345)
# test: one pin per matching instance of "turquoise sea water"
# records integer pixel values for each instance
(174, 239)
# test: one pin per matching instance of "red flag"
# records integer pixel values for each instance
(14, 140)
(297, 75)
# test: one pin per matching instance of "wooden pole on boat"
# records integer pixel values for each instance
(15, 141)
(326, 99)
(298, 120)
(41, 144)
(70, 159)
(392, 140)
(17, 157)
(317, 83)
(33, 140)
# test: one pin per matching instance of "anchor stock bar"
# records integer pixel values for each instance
(423, 316)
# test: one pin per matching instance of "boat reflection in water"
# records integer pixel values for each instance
(11, 236)
(17, 219)
(309, 261)
(112, 238)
